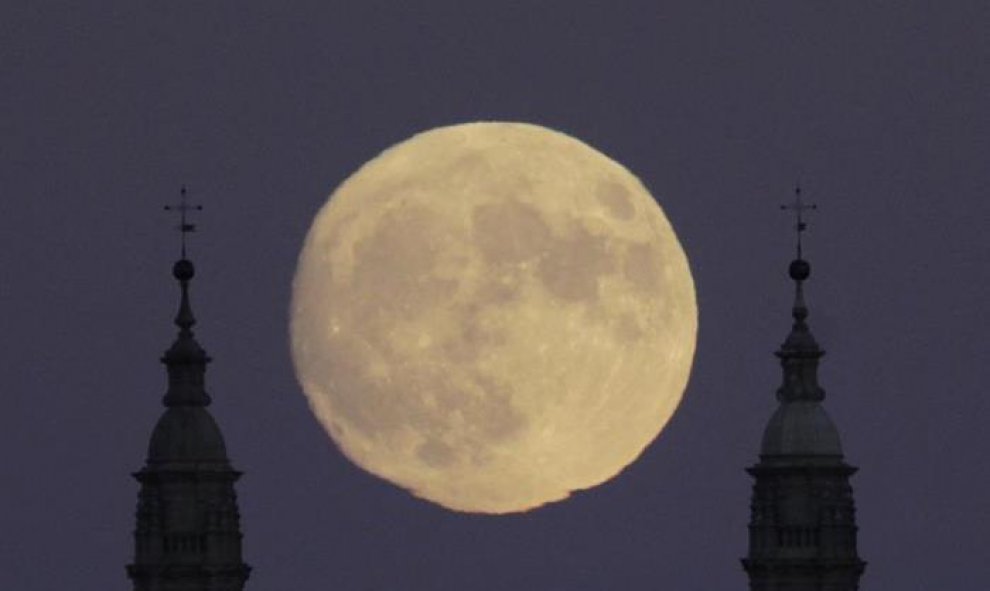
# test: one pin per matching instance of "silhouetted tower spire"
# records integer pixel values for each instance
(188, 534)
(802, 530)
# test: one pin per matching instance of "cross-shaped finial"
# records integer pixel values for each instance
(799, 207)
(184, 226)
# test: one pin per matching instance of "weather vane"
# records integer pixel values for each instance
(182, 207)
(799, 207)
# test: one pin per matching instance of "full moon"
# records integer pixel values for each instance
(492, 316)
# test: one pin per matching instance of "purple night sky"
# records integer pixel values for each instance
(879, 109)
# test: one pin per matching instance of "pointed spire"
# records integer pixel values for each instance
(183, 270)
(799, 354)
(185, 359)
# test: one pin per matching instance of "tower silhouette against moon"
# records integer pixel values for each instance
(802, 529)
(188, 535)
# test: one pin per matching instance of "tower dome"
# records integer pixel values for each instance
(186, 431)
(186, 434)
(800, 428)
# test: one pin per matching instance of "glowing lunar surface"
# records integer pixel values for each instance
(493, 315)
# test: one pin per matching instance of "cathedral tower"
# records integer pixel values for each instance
(802, 529)
(188, 534)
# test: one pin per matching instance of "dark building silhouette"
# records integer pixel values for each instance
(188, 534)
(802, 530)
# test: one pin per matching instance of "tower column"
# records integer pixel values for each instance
(802, 529)
(187, 536)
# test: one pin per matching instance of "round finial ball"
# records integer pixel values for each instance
(183, 270)
(799, 270)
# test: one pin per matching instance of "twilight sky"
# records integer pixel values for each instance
(881, 112)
